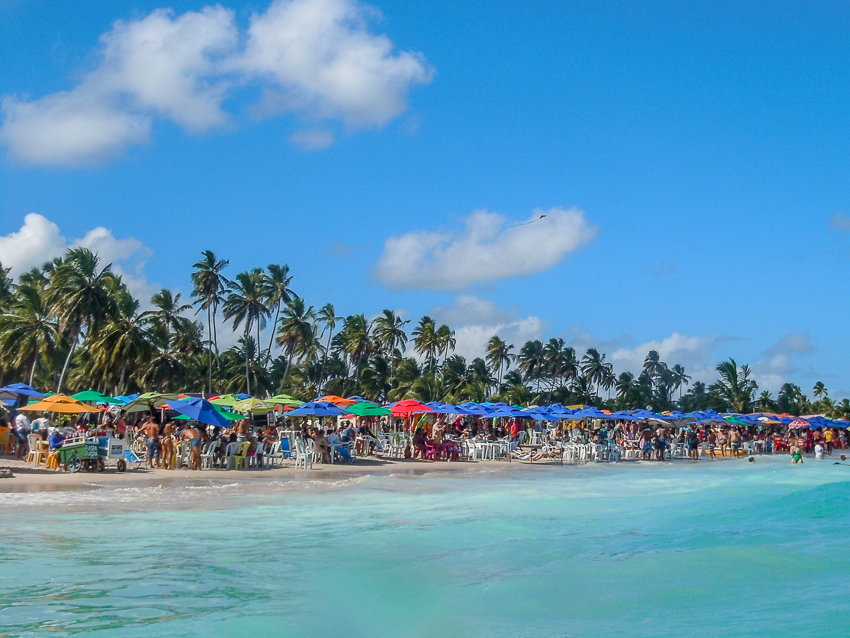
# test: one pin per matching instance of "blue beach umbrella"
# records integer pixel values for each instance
(316, 408)
(200, 410)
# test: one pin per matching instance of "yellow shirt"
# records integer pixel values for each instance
(828, 436)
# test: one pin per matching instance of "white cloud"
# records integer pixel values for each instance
(314, 57)
(476, 320)
(39, 240)
(486, 249)
(690, 352)
(779, 364)
(323, 60)
(312, 140)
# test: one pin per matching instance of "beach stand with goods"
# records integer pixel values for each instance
(76, 454)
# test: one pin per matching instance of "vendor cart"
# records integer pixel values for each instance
(79, 453)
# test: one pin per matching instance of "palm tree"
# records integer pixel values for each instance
(79, 296)
(425, 340)
(355, 342)
(327, 317)
(27, 330)
(167, 311)
(277, 291)
(595, 369)
(765, 401)
(388, 329)
(625, 384)
(208, 292)
(679, 378)
(499, 356)
(820, 390)
(445, 341)
(245, 305)
(124, 340)
(7, 286)
(654, 366)
(734, 387)
(295, 335)
(530, 361)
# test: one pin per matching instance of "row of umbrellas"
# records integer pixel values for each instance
(221, 409)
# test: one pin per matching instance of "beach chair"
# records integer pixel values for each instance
(302, 456)
(274, 456)
(37, 454)
(5, 440)
(236, 460)
(208, 455)
(258, 459)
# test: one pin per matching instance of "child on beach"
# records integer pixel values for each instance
(712, 442)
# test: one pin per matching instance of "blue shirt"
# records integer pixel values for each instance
(56, 440)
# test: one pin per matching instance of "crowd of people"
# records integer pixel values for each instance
(433, 438)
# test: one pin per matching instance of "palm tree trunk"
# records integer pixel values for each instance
(123, 374)
(34, 362)
(274, 328)
(209, 348)
(247, 369)
(324, 360)
(64, 372)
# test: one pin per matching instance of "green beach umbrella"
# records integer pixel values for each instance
(284, 400)
(92, 395)
(366, 408)
(227, 400)
(252, 405)
(149, 400)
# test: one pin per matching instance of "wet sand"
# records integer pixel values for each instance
(29, 479)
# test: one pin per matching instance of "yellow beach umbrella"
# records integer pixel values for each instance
(61, 404)
(252, 405)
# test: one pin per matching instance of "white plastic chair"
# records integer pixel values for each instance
(208, 455)
(302, 456)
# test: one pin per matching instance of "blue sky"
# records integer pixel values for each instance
(692, 160)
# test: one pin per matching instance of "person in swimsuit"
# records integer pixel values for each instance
(734, 441)
(167, 445)
(722, 442)
(241, 430)
(151, 431)
(712, 442)
(796, 453)
(693, 444)
(194, 438)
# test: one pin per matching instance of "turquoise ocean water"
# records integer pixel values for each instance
(723, 549)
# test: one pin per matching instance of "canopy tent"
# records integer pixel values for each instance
(200, 410)
(59, 404)
(366, 408)
(316, 408)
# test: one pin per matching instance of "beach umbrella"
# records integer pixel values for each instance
(227, 400)
(15, 390)
(799, 423)
(149, 401)
(284, 400)
(200, 410)
(60, 404)
(509, 412)
(367, 408)
(252, 405)
(408, 406)
(470, 407)
(443, 408)
(337, 401)
(92, 395)
(316, 408)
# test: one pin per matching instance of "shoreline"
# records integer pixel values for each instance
(28, 479)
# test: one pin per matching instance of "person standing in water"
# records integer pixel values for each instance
(796, 453)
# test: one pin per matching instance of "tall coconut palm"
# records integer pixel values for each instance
(654, 366)
(125, 340)
(79, 295)
(425, 340)
(209, 286)
(167, 311)
(28, 332)
(295, 335)
(679, 378)
(734, 387)
(820, 390)
(530, 361)
(277, 291)
(388, 330)
(445, 341)
(355, 342)
(499, 357)
(595, 369)
(7, 286)
(245, 305)
(327, 317)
